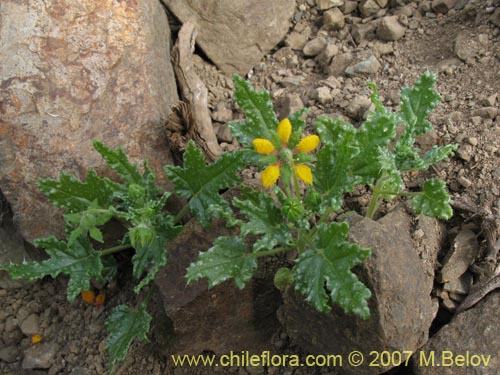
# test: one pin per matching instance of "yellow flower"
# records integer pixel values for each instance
(88, 296)
(263, 146)
(304, 173)
(35, 339)
(308, 143)
(270, 175)
(284, 130)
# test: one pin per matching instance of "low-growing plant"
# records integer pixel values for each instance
(304, 181)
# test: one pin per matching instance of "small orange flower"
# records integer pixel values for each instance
(35, 339)
(88, 296)
(99, 300)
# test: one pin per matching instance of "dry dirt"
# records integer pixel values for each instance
(467, 116)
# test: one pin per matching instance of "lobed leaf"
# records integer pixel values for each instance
(202, 183)
(228, 258)
(118, 161)
(324, 272)
(73, 195)
(434, 200)
(125, 324)
(261, 121)
(79, 261)
(263, 218)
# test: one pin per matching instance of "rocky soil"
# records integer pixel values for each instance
(330, 51)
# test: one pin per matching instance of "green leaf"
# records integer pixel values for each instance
(228, 258)
(438, 153)
(324, 272)
(124, 325)
(372, 138)
(153, 254)
(332, 172)
(203, 183)
(117, 160)
(87, 221)
(418, 102)
(79, 261)
(73, 195)
(261, 121)
(263, 218)
(434, 200)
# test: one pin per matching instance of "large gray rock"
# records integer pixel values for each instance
(401, 306)
(71, 72)
(236, 34)
(221, 319)
(465, 344)
(42, 356)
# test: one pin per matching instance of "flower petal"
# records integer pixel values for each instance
(304, 173)
(309, 143)
(285, 130)
(263, 146)
(270, 175)
(88, 296)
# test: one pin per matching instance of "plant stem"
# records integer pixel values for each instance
(181, 213)
(270, 252)
(114, 249)
(375, 202)
(401, 194)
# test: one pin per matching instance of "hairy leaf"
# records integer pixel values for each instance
(73, 195)
(228, 258)
(324, 273)
(418, 102)
(117, 160)
(434, 200)
(264, 218)
(332, 174)
(153, 253)
(87, 221)
(298, 125)
(202, 183)
(79, 261)
(124, 325)
(261, 121)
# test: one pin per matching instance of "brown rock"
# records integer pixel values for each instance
(246, 30)
(443, 6)
(364, 64)
(368, 8)
(340, 63)
(473, 334)
(314, 47)
(333, 19)
(40, 356)
(463, 251)
(74, 72)
(401, 306)
(389, 29)
(327, 4)
(221, 319)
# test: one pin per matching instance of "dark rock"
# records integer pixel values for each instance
(247, 30)
(401, 306)
(363, 31)
(443, 6)
(221, 319)
(469, 340)
(77, 71)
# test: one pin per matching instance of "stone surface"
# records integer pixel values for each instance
(327, 4)
(9, 354)
(74, 71)
(401, 306)
(333, 19)
(200, 318)
(474, 332)
(296, 40)
(358, 107)
(314, 47)
(325, 57)
(340, 63)
(246, 29)
(368, 8)
(363, 65)
(443, 6)
(40, 356)
(30, 326)
(464, 249)
(389, 29)
(467, 47)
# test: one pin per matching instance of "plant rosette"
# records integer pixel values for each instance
(304, 178)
